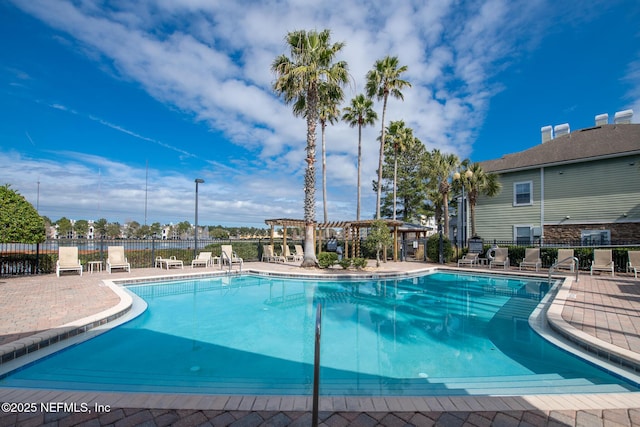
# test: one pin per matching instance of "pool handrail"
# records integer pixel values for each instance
(573, 259)
(223, 255)
(316, 368)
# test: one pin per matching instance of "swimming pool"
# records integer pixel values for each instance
(437, 334)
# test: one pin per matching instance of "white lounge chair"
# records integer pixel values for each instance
(634, 262)
(602, 260)
(469, 259)
(229, 256)
(500, 257)
(565, 260)
(291, 257)
(299, 251)
(116, 259)
(269, 256)
(531, 258)
(68, 260)
(204, 260)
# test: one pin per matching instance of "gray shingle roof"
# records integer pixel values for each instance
(581, 145)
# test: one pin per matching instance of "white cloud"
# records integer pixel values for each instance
(211, 60)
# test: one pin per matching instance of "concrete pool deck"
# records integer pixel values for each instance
(597, 311)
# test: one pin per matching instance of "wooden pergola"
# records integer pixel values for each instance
(351, 232)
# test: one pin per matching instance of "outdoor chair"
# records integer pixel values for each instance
(203, 260)
(565, 260)
(602, 260)
(469, 259)
(500, 257)
(68, 260)
(116, 259)
(229, 256)
(634, 262)
(531, 258)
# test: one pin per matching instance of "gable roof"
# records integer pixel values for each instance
(579, 146)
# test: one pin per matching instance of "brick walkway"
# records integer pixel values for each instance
(603, 309)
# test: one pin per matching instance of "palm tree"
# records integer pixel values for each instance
(480, 183)
(298, 80)
(360, 113)
(382, 81)
(328, 112)
(399, 137)
(441, 168)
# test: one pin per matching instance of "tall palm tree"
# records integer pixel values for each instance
(480, 183)
(328, 112)
(399, 137)
(441, 169)
(298, 80)
(360, 113)
(384, 80)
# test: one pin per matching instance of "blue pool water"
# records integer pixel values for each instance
(441, 333)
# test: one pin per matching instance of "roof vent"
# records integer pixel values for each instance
(602, 119)
(562, 129)
(623, 117)
(547, 133)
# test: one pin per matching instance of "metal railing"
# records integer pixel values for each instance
(316, 368)
(574, 261)
(223, 256)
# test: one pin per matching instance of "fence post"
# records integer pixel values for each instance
(38, 258)
(153, 251)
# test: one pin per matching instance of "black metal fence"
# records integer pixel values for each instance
(25, 259)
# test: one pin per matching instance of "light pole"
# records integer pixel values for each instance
(195, 230)
(463, 224)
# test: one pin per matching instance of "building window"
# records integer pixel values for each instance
(522, 234)
(523, 193)
(595, 237)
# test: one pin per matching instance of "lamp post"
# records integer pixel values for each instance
(463, 224)
(195, 230)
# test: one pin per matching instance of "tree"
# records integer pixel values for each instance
(64, 227)
(19, 220)
(81, 227)
(478, 183)
(360, 113)
(330, 96)
(384, 80)
(298, 80)
(398, 137)
(132, 228)
(379, 237)
(441, 168)
(408, 169)
(113, 230)
(183, 228)
(155, 229)
(100, 227)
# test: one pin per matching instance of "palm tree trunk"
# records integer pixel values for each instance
(395, 180)
(359, 162)
(381, 157)
(324, 174)
(309, 259)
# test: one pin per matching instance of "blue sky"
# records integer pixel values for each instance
(108, 107)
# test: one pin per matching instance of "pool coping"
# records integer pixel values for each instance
(326, 403)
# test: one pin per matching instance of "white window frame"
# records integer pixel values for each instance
(515, 232)
(515, 193)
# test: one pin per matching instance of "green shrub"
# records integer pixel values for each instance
(433, 248)
(327, 259)
(359, 263)
(345, 263)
